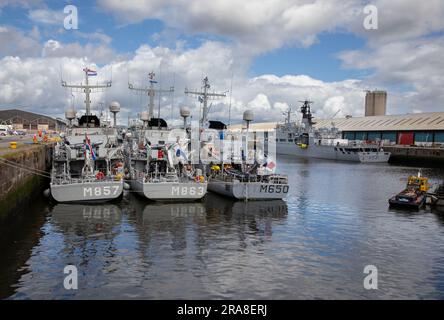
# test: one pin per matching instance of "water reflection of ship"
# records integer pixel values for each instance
(215, 204)
(86, 220)
(164, 213)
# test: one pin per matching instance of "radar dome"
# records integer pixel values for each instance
(114, 107)
(144, 116)
(185, 112)
(70, 114)
(248, 115)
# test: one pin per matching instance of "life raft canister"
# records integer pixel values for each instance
(100, 175)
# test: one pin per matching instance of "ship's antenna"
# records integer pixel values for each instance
(150, 91)
(87, 88)
(203, 97)
(160, 86)
(172, 100)
(231, 94)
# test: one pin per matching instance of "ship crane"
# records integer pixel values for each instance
(204, 96)
(151, 92)
(87, 88)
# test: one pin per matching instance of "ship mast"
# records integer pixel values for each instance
(307, 117)
(150, 91)
(87, 88)
(204, 96)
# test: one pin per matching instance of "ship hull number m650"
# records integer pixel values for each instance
(273, 188)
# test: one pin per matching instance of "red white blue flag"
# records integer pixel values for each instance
(89, 147)
(90, 72)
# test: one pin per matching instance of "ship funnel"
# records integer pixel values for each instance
(114, 108)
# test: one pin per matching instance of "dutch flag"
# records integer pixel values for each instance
(90, 72)
(89, 147)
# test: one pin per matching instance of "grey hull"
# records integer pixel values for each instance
(87, 191)
(329, 153)
(170, 191)
(250, 191)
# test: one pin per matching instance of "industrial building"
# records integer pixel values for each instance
(421, 129)
(375, 103)
(24, 120)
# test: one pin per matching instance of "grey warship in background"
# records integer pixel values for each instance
(303, 140)
(88, 162)
(158, 167)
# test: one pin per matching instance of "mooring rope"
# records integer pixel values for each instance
(16, 164)
(33, 171)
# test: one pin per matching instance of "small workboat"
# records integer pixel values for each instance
(414, 195)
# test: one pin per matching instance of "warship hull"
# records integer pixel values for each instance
(249, 190)
(169, 191)
(331, 153)
(87, 191)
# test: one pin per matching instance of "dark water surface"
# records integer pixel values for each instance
(313, 245)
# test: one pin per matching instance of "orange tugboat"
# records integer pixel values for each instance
(414, 195)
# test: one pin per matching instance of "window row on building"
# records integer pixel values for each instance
(397, 137)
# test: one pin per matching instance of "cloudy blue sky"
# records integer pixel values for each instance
(273, 52)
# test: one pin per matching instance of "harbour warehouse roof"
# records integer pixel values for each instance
(12, 116)
(408, 122)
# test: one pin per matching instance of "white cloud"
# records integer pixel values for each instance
(14, 41)
(255, 25)
(46, 16)
(401, 53)
(416, 66)
(95, 52)
(36, 82)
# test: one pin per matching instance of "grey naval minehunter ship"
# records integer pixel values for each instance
(158, 166)
(88, 162)
(236, 178)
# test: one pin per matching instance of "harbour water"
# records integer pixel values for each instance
(315, 244)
